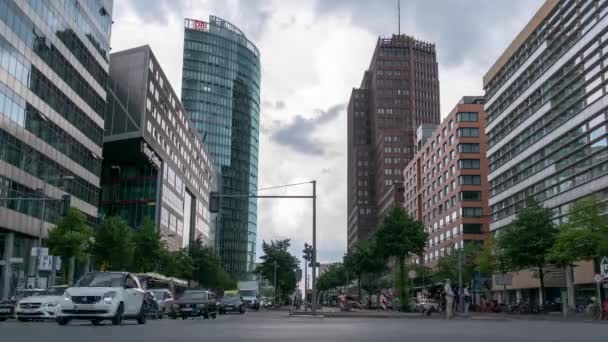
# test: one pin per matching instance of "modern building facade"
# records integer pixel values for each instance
(155, 164)
(53, 71)
(399, 92)
(546, 103)
(221, 94)
(446, 184)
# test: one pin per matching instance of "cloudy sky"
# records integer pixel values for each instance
(313, 53)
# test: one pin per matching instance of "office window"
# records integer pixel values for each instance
(472, 228)
(472, 212)
(468, 132)
(468, 163)
(470, 180)
(467, 117)
(470, 195)
(468, 148)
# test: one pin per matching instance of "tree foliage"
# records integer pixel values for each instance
(447, 266)
(583, 237)
(147, 247)
(71, 237)
(334, 276)
(276, 252)
(365, 259)
(113, 246)
(175, 264)
(526, 242)
(207, 268)
(401, 237)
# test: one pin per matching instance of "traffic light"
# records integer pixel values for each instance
(66, 203)
(307, 252)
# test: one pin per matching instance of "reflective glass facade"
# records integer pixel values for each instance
(547, 103)
(221, 93)
(53, 72)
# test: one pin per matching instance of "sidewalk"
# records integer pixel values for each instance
(333, 312)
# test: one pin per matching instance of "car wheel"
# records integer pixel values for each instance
(214, 315)
(241, 310)
(96, 321)
(141, 318)
(63, 320)
(117, 319)
(2, 319)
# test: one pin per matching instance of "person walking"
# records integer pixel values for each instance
(467, 300)
(449, 300)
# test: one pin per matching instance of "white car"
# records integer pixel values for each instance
(164, 298)
(40, 305)
(100, 296)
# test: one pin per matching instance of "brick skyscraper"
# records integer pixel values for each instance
(399, 92)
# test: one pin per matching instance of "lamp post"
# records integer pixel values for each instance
(41, 227)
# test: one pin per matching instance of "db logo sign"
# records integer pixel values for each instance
(200, 25)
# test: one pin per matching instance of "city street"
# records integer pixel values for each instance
(277, 326)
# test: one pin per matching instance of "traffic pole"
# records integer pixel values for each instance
(314, 247)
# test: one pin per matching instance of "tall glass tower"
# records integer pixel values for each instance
(221, 93)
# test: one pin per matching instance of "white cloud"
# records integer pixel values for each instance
(312, 57)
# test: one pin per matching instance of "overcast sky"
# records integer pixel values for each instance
(313, 53)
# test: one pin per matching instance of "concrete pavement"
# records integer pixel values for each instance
(272, 326)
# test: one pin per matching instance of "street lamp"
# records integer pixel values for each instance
(41, 227)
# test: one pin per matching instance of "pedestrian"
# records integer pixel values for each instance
(467, 300)
(449, 300)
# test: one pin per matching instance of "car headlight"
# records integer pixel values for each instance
(108, 297)
(67, 296)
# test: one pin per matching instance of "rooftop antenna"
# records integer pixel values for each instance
(399, 17)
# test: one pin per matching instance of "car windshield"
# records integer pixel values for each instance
(195, 295)
(247, 293)
(101, 280)
(158, 294)
(231, 299)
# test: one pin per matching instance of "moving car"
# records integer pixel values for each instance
(7, 307)
(40, 305)
(100, 296)
(195, 303)
(231, 303)
(249, 292)
(151, 307)
(164, 298)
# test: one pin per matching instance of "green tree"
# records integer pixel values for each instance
(583, 237)
(277, 252)
(333, 277)
(71, 238)
(207, 267)
(147, 246)
(401, 237)
(447, 266)
(525, 243)
(113, 245)
(177, 264)
(364, 259)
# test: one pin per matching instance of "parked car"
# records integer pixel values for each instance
(194, 303)
(426, 306)
(100, 296)
(7, 309)
(40, 305)
(231, 303)
(164, 298)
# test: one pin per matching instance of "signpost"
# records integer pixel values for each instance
(604, 267)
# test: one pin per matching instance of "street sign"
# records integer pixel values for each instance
(16, 260)
(604, 267)
(411, 274)
(43, 251)
(598, 278)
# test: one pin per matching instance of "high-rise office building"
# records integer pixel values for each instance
(154, 162)
(546, 101)
(53, 72)
(221, 93)
(446, 184)
(399, 92)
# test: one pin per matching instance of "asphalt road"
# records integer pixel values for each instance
(276, 326)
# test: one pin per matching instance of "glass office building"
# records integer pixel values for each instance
(154, 163)
(53, 71)
(221, 93)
